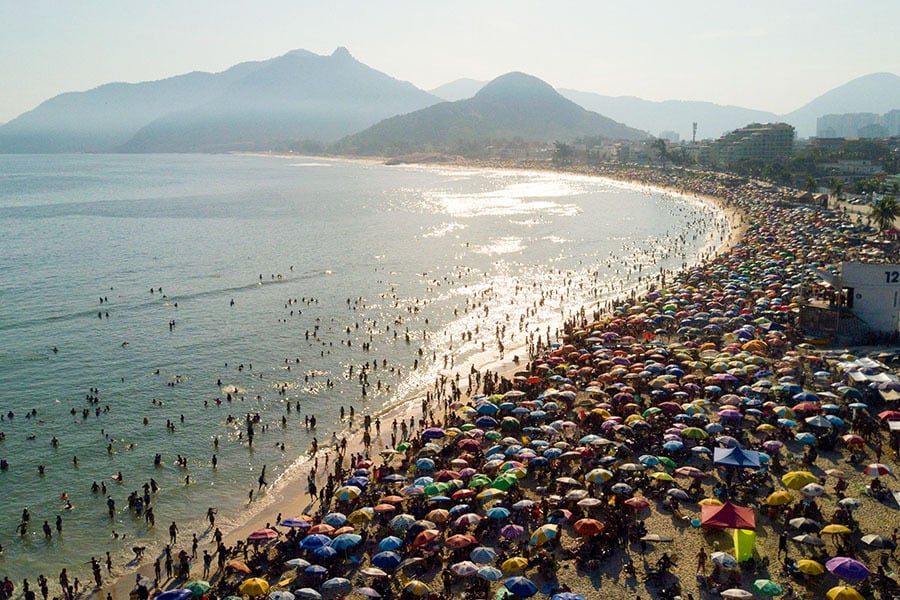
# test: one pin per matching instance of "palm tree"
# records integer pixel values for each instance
(837, 188)
(884, 212)
(811, 185)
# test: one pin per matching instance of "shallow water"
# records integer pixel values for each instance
(383, 251)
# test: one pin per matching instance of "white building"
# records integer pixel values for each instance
(872, 292)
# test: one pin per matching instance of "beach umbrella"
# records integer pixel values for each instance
(387, 559)
(316, 570)
(589, 527)
(325, 552)
(238, 565)
(835, 529)
(281, 595)
(516, 563)
(589, 502)
(367, 592)
(417, 588)
(806, 437)
(297, 562)
(373, 572)
(262, 535)
(521, 586)
(805, 524)
(337, 585)
(843, 592)
(810, 567)
(736, 594)
(566, 596)
(655, 537)
(795, 480)
(460, 541)
(467, 520)
(347, 493)
(723, 559)
(198, 588)
(181, 594)
(254, 586)
(637, 502)
(512, 532)
(308, 593)
(662, 476)
(346, 541)
(621, 489)
(877, 470)
(779, 498)
(497, 512)
(665, 460)
(321, 528)
(599, 476)
(490, 573)
(483, 555)
(810, 540)
(767, 587)
(812, 490)
(390, 542)
(877, 541)
(401, 522)
(296, 522)
(847, 568)
(315, 540)
(543, 534)
(363, 515)
(465, 568)
(851, 503)
(678, 493)
(335, 519)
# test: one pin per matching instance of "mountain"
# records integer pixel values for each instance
(100, 119)
(513, 106)
(298, 96)
(875, 93)
(459, 89)
(258, 105)
(712, 120)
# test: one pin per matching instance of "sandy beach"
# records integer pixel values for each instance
(602, 564)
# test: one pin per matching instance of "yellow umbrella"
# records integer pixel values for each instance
(710, 502)
(843, 592)
(835, 528)
(255, 586)
(516, 563)
(662, 476)
(780, 498)
(417, 588)
(766, 427)
(810, 567)
(490, 494)
(797, 479)
(361, 516)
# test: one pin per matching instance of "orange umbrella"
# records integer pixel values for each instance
(426, 536)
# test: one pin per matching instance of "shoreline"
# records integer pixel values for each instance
(288, 494)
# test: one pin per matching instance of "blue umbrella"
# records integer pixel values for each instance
(391, 542)
(324, 552)
(483, 555)
(649, 460)
(395, 478)
(805, 438)
(490, 573)
(423, 481)
(567, 596)
(538, 461)
(673, 445)
(487, 408)
(176, 595)
(498, 512)
(345, 541)
(460, 509)
(486, 422)
(521, 586)
(315, 570)
(552, 452)
(425, 464)
(336, 519)
(316, 540)
(387, 560)
(359, 481)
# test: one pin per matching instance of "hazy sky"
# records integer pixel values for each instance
(766, 54)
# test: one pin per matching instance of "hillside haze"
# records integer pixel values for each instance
(514, 106)
(297, 96)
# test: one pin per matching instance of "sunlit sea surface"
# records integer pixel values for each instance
(318, 257)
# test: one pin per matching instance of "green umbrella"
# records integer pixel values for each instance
(665, 460)
(504, 482)
(479, 480)
(198, 588)
(767, 587)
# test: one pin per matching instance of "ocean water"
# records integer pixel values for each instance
(272, 276)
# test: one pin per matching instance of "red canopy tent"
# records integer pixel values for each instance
(727, 516)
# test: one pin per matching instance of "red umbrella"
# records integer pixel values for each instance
(589, 527)
(262, 534)
(460, 541)
(637, 502)
(877, 469)
(426, 536)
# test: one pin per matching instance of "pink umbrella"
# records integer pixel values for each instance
(512, 532)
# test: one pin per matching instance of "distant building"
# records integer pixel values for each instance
(859, 125)
(670, 136)
(758, 143)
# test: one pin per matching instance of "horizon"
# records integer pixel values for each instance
(766, 56)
